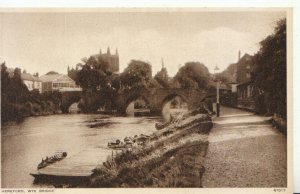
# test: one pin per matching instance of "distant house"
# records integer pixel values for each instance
(244, 68)
(53, 81)
(238, 76)
(245, 86)
(245, 98)
(32, 82)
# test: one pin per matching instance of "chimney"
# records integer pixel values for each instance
(100, 52)
(239, 55)
(117, 52)
(108, 51)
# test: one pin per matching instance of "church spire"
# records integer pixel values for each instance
(162, 63)
(108, 50)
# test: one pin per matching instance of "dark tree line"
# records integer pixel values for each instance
(270, 73)
(96, 75)
(96, 79)
(18, 102)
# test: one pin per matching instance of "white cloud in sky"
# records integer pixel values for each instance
(50, 41)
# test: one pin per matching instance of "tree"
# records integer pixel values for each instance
(138, 74)
(5, 80)
(269, 74)
(18, 90)
(162, 78)
(94, 74)
(192, 75)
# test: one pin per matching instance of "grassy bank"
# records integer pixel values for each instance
(172, 157)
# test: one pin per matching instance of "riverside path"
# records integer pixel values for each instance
(245, 151)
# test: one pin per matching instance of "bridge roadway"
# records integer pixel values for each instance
(80, 164)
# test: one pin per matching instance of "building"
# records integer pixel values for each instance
(245, 86)
(111, 59)
(33, 82)
(53, 81)
(245, 97)
(244, 68)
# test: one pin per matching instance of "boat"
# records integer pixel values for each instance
(118, 144)
(52, 159)
(142, 139)
(115, 144)
(128, 140)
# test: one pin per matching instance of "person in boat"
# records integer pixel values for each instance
(64, 154)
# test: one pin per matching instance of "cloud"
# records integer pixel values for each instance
(44, 42)
(220, 46)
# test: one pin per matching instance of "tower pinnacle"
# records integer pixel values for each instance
(108, 50)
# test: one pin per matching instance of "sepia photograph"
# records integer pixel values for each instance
(145, 98)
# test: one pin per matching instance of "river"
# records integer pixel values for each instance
(24, 144)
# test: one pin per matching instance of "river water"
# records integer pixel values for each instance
(24, 144)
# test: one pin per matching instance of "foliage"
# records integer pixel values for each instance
(13, 88)
(138, 74)
(17, 102)
(94, 74)
(269, 74)
(192, 75)
(162, 78)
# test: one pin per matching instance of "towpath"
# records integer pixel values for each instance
(245, 151)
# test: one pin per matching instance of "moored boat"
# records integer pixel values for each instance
(52, 159)
(118, 144)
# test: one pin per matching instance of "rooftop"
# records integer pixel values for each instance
(55, 78)
(29, 77)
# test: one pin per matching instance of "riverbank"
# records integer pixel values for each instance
(172, 157)
(20, 111)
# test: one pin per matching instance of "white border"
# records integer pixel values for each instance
(295, 4)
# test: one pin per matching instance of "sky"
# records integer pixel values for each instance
(43, 42)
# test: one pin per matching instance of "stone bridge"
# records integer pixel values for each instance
(155, 98)
(68, 98)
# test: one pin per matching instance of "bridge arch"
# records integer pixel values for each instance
(171, 96)
(130, 103)
(74, 107)
(69, 98)
(173, 103)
